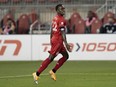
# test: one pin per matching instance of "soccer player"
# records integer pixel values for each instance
(57, 38)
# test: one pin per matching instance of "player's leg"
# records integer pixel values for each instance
(59, 64)
(61, 61)
(43, 66)
(55, 48)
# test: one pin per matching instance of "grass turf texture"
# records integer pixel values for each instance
(71, 74)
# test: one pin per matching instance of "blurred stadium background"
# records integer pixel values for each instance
(25, 12)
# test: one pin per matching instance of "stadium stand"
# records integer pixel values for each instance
(60, 1)
(6, 17)
(3, 1)
(54, 1)
(15, 1)
(76, 12)
(73, 20)
(23, 24)
(33, 16)
(106, 16)
(41, 1)
(79, 27)
(68, 26)
(66, 1)
(96, 25)
(74, 17)
(29, 1)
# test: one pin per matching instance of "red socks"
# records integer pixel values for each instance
(44, 65)
(59, 64)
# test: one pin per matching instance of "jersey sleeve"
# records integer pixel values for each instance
(62, 24)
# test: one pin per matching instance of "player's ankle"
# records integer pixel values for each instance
(54, 70)
(37, 73)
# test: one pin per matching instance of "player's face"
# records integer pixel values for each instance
(61, 10)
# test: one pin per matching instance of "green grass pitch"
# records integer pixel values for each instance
(71, 74)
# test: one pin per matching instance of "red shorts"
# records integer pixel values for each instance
(56, 48)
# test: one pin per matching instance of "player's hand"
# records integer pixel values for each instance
(68, 46)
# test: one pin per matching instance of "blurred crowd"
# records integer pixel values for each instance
(28, 23)
(92, 24)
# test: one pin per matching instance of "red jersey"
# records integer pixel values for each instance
(57, 23)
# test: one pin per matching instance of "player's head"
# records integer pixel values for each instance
(60, 9)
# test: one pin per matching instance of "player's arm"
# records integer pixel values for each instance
(64, 38)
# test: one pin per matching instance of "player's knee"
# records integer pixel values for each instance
(66, 56)
(51, 57)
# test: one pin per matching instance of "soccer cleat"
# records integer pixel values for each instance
(52, 74)
(35, 77)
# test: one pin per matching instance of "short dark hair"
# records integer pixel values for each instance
(57, 6)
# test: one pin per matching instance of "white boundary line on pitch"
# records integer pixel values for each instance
(21, 76)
